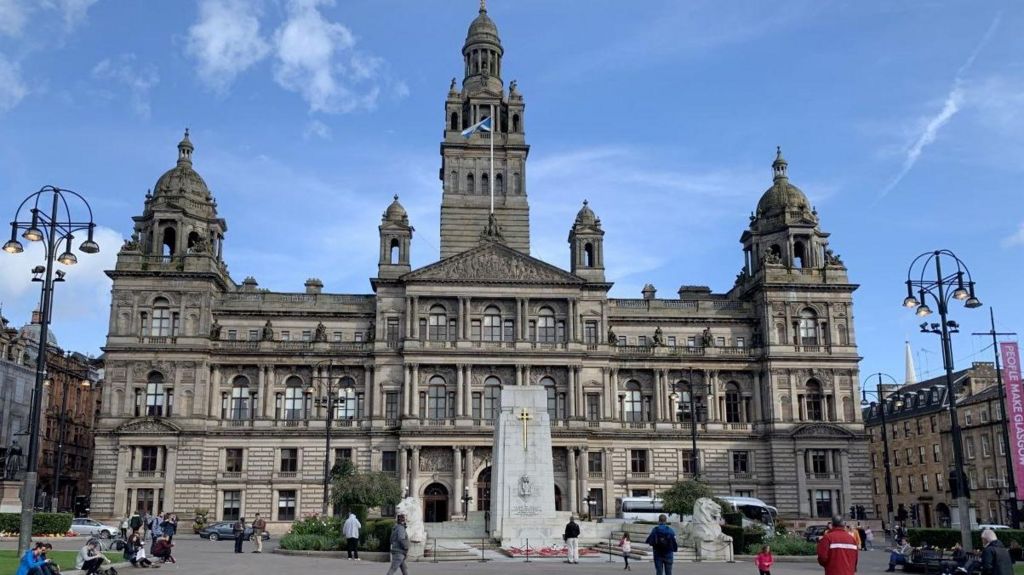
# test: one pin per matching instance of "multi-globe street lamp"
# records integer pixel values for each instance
(324, 393)
(957, 285)
(882, 404)
(54, 228)
(679, 392)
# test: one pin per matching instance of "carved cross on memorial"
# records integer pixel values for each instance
(524, 416)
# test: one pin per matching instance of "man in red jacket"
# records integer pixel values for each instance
(837, 550)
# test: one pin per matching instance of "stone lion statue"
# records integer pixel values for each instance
(413, 511)
(707, 520)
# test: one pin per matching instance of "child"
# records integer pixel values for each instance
(625, 546)
(764, 561)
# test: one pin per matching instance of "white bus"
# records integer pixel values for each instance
(755, 511)
(644, 509)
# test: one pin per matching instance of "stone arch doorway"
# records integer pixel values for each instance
(942, 515)
(483, 490)
(435, 503)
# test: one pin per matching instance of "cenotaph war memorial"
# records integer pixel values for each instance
(523, 488)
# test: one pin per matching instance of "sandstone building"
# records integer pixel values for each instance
(208, 402)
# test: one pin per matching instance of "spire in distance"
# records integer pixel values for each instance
(908, 358)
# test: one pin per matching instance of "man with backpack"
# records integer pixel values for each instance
(135, 523)
(572, 541)
(239, 530)
(662, 540)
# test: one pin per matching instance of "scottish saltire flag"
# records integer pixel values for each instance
(481, 126)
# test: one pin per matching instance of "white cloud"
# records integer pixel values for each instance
(12, 87)
(318, 59)
(952, 104)
(1015, 239)
(317, 129)
(226, 41)
(13, 16)
(139, 80)
(72, 11)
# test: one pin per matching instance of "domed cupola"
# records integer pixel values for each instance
(783, 198)
(395, 241)
(182, 180)
(586, 244)
(482, 51)
(396, 214)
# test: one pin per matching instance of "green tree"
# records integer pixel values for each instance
(680, 497)
(356, 491)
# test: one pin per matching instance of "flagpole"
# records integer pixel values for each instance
(491, 179)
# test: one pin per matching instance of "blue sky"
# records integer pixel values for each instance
(901, 121)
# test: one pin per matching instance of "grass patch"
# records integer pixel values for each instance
(1018, 569)
(66, 559)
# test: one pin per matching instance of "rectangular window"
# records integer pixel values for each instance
(622, 340)
(389, 461)
(741, 462)
(391, 405)
(531, 329)
(145, 500)
(823, 502)
(593, 407)
(913, 483)
(924, 483)
(358, 336)
(474, 330)
(910, 456)
(920, 454)
(510, 329)
(936, 453)
(595, 462)
(918, 423)
(969, 447)
(933, 423)
(286, 335)
(744, 493)
(597, 506)
(899, 485)
(150, 456)
(1002, 444)
(232, 334)
(691, 341)
(876, 483)
(233, 458)
(254, 335)
(232, 509)
(938, 482)
(342, 454)
(289, 460)
(671, 341)
(896, 457)
(819, 461)
(874, 461)
(393, 331)
(641, 340)
(590, 332)
(984, 415)
(337, 336)
(688, 464)
(307, 335)
(968, 420)
(720, 341)
(741, 342)
(986, 446)
(638, 460)
(560, 332)
(286, 505)
(906, 429)
(477, 404)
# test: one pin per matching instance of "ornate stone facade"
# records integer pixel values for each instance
(772, 361)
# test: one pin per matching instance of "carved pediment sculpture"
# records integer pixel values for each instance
(148, 425)
(821, 430)
(492, 262)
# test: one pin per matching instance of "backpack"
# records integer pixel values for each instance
(662, 542)
(136, 522)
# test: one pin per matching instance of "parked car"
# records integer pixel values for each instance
(86, 526)
(814, 532)
(992, 526)
(223, 530)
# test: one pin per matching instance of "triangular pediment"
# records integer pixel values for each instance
(148, 425)
(822, 431)
(493, 263)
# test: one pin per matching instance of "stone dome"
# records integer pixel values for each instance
(182, 179)
(586, 216)
(483, 30)
(396, 213)
(30, 332)
(782, 196)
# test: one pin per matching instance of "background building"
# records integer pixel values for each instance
(208, 402)
(917, 417)
(17, 375)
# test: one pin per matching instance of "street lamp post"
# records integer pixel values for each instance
(889, 507)
(324, 384)
(694, 418)
(466, 498)
(942, 289)
(62, 419)
(54, 228)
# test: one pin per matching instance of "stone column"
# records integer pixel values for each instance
(460, 392)
(581, 403)
(608, 410)
(519, 375)
(757, 414)
(170, 473)
(261, 388)
(414, 475)
(415, 390)
(214, 403)
(368, 392)
(571, 485)
(844, 472)
(465, 317)
(377, 408)
(457, 476)
(656, 404)
(119, 477)
(470, 481)
(407, 392)
(571, 374)
(524, 320)
(408, 317)
(609, 482)
(403, 469)
(570, 320)
(584, 477)
(801, 482)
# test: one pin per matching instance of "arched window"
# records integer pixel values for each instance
(168, 243)
(437, 329)
(733, 413)
(517, 183)
(455, 122)
(844, 334)
(155, 394)
(346, 405)
(453, 181)
(633, 402)
(546, 331)
(515, 122)
(294, 399)
(470, 184)
(193, 239)
(485, 184)
(808, 327)
(161, 324)
(437, 398)
(685, 403)
(814, 402)
(499, 184)
(588, 255)
(492, 324)
(394, 251)
(556, 410)
(240, 399)
(800, 255)
(492, 398)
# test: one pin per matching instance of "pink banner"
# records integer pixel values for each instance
(1010, 355)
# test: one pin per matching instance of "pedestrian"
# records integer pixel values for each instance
(351, 532)
(869, 538)
(156, 527)
(89, 558)
(125, 524)
(662, 540)
(855, 534)
(900, 555)
(33, 560)
(399, 546)
(764, 561)
(259, 525)
(239, 531)
(135, 523)
(838, 550)
(995, 558)
(171, 527)
(861, 537)
(625, 546)
(572, 541)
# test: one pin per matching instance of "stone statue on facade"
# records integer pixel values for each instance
(268, 332)
(525, 488)
(201, 246)
(132, 244)
(215, 329)
(659, 337)
(451, 88)
(832, 259)
(371, 333)
(771, 258)
(12, 466)
(707, 340)
(612, 338)
(320, 335)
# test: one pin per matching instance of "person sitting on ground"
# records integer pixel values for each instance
(162, 549)
(50, 568)
(89, 559)
(135, 552)
(899, 555)
(33, 560)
